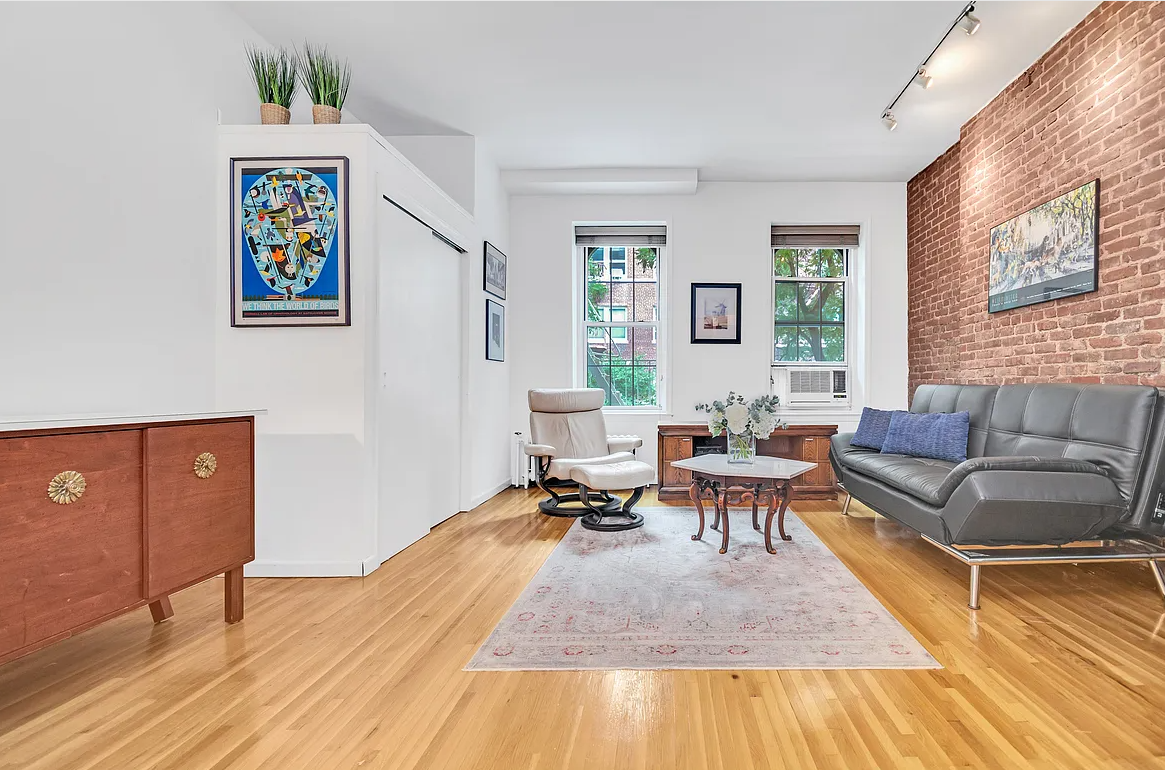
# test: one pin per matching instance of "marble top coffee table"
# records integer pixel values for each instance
(767, 479)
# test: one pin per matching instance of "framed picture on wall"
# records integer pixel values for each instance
(495, 331)
(1048, 252)
(289, 242)
(494, 271)
(715, 313)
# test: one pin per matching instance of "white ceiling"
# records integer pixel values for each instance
(738, 90)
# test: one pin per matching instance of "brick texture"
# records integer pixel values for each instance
(1092, 107)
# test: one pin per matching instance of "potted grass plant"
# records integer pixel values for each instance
(326, 80)
(274, 73)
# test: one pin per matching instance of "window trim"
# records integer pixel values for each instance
(847, 325)
(661, 338)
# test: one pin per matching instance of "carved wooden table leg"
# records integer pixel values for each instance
(785, 490)
(233, 595)
(722, 505)
(694, 493)
(161, 609)
(716, 499)
(755, 501)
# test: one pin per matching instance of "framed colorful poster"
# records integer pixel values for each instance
(289, 242)
(1048, 252)
(495, 331)
(494, 272)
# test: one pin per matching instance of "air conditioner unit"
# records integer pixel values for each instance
(815, 387)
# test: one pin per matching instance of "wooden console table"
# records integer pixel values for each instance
(103, 515)
(808, 443)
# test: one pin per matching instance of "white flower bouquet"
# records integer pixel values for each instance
(745, 422)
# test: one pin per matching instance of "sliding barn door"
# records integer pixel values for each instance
(419, 414)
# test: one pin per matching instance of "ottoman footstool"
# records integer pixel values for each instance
(630, 474)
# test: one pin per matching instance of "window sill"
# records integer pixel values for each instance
(633, 410)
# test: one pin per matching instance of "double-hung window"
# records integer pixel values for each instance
(811, 284)
(620, 311)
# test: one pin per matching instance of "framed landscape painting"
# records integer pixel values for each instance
(289, 242)
(495, 271)
(716, 313)
(1046, 253)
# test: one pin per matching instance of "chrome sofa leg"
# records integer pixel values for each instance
(845, 505)
(1159, 573)
(974, 602)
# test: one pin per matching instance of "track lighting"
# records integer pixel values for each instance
(969, 22)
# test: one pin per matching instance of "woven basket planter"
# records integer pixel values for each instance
(274, 115)
(321, 113)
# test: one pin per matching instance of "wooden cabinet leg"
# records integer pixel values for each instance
(161, 609)
(233, 595)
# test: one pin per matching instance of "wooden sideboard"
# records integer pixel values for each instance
(100, 517)
(678, 441)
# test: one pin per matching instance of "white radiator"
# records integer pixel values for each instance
(520, 472)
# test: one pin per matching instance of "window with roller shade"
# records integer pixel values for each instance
(811, 287)
(619, 322)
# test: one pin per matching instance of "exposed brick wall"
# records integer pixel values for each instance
(1093, 106)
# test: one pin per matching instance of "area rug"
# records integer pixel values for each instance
(652, 598)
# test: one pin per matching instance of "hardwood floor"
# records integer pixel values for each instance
(1064, 667)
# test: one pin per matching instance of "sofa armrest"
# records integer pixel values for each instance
(540, 450)
(1025, 463)
(623, 443)
(1035, 506)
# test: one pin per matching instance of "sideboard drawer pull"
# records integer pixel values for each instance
(66, 487)
(205, 465)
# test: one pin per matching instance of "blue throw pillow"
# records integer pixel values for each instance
(935, 435)
(871, 432)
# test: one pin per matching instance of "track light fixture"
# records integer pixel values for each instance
(969, 23)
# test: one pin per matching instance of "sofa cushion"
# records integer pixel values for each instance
(872, 428)
(1107, 425)
(977, 400)
(938, 436)
(916, 476)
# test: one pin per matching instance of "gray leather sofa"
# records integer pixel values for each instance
(1047, 464)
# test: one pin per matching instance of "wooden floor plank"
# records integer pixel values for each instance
(1064, 667)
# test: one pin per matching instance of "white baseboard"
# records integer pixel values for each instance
(370, 564)
(489, 493)
(288, 569)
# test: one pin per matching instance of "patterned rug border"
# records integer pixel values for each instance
(473, 666)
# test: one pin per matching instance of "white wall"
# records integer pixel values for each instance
(447, 160)
(108, 142)
(115, 263)
(719, 234)
(488, 436)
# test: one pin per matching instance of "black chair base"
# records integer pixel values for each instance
(612, 522)
(607, 520)
(553, 505)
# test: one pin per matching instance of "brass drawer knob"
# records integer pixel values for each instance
(66, 487)
(205, 465)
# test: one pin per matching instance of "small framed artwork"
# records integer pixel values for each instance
(495, 271)
(289, 242)
(715, 313)
(495, 331)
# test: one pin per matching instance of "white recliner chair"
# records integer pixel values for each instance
(567, 430)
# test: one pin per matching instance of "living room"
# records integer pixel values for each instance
(711, 385)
